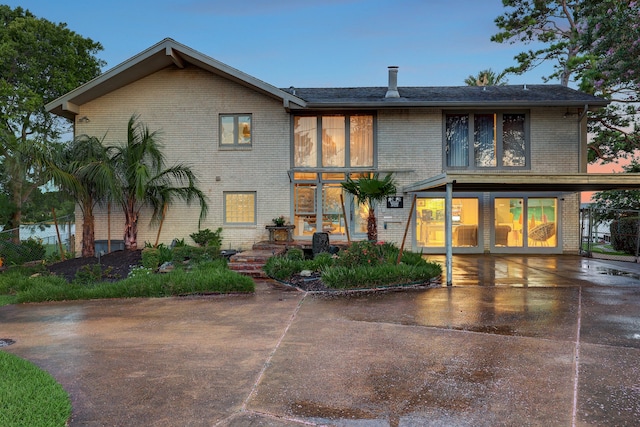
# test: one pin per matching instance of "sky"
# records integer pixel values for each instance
(305, 43)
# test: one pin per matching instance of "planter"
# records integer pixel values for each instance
(280, 233)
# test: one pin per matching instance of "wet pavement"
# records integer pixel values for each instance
(540, 341)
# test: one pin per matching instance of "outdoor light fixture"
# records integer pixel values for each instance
(84, 119)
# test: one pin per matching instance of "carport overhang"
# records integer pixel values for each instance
(519, 182)
(514, 182)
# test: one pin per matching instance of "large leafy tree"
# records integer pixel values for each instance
(369, 191)
(39, 61)
(610, 203)
(594, 43)
(143, 179)
(83, 169)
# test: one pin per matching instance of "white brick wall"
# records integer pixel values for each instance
(184, 104)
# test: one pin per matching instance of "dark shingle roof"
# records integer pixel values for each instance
(447, 96)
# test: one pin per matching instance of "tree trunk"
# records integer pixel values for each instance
(130, 228)
(88, 232)
(16, 215)
(372, 226)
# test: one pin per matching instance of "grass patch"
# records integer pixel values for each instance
(602, 249)
(19, 286)
(30, 396)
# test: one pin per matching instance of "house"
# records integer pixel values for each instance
(506, 162)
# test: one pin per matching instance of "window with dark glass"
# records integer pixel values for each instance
(486, 140)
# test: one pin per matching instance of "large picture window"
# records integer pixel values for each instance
(235, 130)
(486, 140)
(346, 141)
(240, 207)
(430, 222)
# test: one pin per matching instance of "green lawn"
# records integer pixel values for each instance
(30, 396)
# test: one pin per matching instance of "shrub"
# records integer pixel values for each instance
(91, 273)
(382, 275)
(207, 237)
(322, 260)
(150, 258)
(362, 265)
(367, 253)
(295, 254)
(282, 267)
(17, 254)
(206, 277)
(624, 234)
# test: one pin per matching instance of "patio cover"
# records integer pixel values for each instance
(511, 182)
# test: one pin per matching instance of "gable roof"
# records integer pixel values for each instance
(171, 53)
(161, 55)
(448, 97)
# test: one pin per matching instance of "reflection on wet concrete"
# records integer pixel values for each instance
(616, 272)
(500, 347)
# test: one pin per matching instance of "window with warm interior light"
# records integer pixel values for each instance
(430, 222)
(333, 141)
(235, 130)
(240, 207)
(526, 222)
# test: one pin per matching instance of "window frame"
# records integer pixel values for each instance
(347, 141)
(224, 207)
(499, 151)
(236, 131)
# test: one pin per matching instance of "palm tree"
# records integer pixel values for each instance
(139, 168)
(487, 77)
(82, 168)
(369, 191)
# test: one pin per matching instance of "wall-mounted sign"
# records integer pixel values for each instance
(395, 202)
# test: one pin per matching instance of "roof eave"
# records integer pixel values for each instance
(163, 54)
(401, 104)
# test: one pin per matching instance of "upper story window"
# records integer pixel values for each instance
(486, 140)
(235, 130)
(345, 141)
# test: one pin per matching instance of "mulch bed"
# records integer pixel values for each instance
(313, 283)
(119, 264)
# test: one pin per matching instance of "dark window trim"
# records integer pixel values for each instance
(346, 115)
(236, 131)
(499, 146)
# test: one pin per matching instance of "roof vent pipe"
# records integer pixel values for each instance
(392, 91)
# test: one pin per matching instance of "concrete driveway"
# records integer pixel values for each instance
(548, 341)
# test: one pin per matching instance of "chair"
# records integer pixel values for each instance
(466, 235)
(543, 232)
(502, 235)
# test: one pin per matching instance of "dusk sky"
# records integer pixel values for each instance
(305, 43)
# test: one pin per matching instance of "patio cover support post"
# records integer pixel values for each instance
(448, 231)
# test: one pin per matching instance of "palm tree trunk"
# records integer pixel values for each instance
(372, 226)
(130, 228)
(88, 232)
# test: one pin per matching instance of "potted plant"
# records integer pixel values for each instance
(279, 221)
(280, 231)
